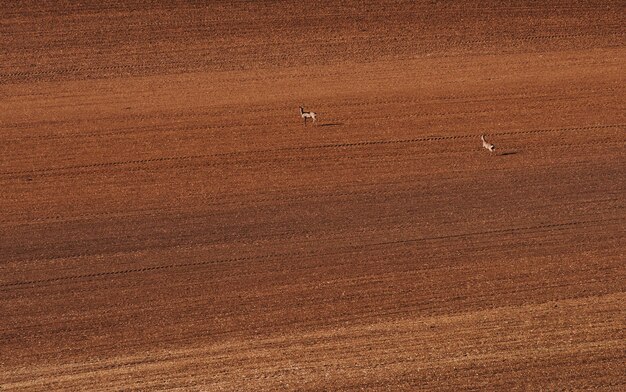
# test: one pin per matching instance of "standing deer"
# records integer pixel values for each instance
(486, 144)
(306, 115)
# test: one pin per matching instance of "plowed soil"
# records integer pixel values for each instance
(167, 221)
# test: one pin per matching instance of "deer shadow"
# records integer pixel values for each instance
(330, 125)
(507, 153)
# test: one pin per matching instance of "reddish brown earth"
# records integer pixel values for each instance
(167, 222)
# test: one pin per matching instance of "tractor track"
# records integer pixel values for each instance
(248, 200)
(356, 248)
(70, 170)
(281, 109)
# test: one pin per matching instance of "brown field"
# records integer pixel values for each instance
(167, 222)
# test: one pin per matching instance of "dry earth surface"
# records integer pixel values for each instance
(167, 222)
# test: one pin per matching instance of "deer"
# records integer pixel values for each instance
(486, 144)
(306, 115)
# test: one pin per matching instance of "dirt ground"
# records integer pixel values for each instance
(168, 222)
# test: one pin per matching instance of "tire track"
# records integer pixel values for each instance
(69, 170)
(347, 250)
(173, 208)
(277, 162)
(283, 108)
(283, 236)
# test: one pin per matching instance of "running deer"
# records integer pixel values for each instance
(486, 144)
(306, 115)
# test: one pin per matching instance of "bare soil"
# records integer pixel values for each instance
(168, 222)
